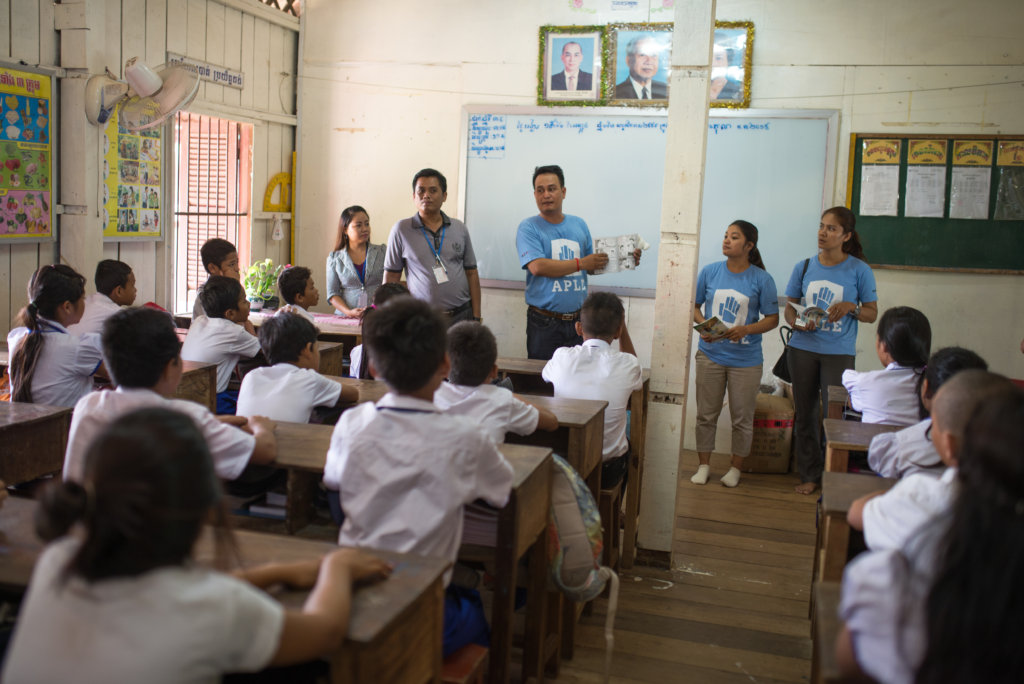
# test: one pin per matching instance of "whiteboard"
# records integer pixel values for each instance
(774, 168)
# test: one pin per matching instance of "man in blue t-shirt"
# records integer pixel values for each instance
(557, 252)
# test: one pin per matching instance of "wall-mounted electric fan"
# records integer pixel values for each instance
(152, 95)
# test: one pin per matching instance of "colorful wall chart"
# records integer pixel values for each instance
(26, 168)
(131, 182)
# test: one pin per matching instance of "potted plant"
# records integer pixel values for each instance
(260, 282)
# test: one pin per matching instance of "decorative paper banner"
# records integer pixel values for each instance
(131, 181)
(927, 151)
(972, 153)
(1011, 153)
(881, 152)
(26, 167)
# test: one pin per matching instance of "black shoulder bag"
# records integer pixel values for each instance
(781, 367)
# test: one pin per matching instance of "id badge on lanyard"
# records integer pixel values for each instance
(440, 270)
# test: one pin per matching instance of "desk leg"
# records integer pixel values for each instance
(503, 611)
(836, 460)
(536, 612)
(835, 547)
(301, 495)
(638, 435)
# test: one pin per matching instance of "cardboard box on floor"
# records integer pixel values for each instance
(773, 435)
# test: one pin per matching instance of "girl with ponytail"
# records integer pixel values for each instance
(50, 365)
(741, 295)
(117, 587)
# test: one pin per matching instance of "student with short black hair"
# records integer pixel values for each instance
(404, 469)
(356, 367)
(141, 350)
(473, 352)
(298, 291)
(115, 287)
(222, 336)
(49, 363)
(220, 258)
(290, 388)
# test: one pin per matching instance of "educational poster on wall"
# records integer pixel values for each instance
(26, 169)
(131, 182)
(1010, 192)
(926, 178)
(971, 181)
(880, 178)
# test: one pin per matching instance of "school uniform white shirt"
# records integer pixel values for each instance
(296, 309)
(285, 392)
(893, 518)
(593, 370)
(67, 362)
(219, 341)
(898, 454)
(230, 447)
(355, 361)
(173, 625)
(495, 409)
(884, 396)
(404, 470)
(98, 308)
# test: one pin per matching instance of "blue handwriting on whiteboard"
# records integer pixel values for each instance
(722, 126)
(487, 136)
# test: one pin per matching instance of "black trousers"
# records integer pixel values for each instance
(812, 373)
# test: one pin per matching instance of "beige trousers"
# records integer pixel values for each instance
(743, 385)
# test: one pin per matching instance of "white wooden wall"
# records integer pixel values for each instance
(242, 35)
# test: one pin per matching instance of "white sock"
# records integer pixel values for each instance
(731, 478)
(701, 476)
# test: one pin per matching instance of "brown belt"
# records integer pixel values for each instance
(573, 316)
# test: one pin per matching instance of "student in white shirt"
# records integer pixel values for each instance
(116, 597)
(141, 351)
(896, 454)
(222, 336)
(403, 469)
(49, 364)
(891, 395)
(948, 607)
(290, 388)
(593, 370)
(115, 287)
(473, 352)
(890, 518)
(356, 367)
(298, 291)
(220, 258)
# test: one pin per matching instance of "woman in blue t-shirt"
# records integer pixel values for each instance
(838, 282)
(737, 291)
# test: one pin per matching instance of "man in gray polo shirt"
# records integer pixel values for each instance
(436, 252)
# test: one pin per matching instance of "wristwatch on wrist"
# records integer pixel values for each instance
(856, 312)
(478, 319)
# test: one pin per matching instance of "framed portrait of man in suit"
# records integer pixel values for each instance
(642, 59)
(730, 64)
(570, 65)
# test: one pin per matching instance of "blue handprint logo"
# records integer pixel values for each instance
(728, 310)
(823, 298)
(565, 253)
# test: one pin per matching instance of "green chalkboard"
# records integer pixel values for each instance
(987, 245)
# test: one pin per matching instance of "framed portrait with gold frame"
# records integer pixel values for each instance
(638, 64)
(570, 65)
(730, 64)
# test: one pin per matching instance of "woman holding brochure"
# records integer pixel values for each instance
(740, 303)
(828, 294)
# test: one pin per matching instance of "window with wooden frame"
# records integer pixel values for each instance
(213, 197)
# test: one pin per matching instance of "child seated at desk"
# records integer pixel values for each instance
(594, 370)
(356, 367)
(473, 352)
(891, 395)
(116, 597)
(403, 469)
(290, 388)
(141, 351)
(222, 336)
(115, 287)
(896, 454)
(890, 518)
(220, 258)
(947, 607)
(50, 364)
(298, 291)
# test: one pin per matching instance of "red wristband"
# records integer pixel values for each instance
(578, 265)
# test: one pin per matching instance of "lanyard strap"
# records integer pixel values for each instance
(430, 243)
(361, 272)
(401, 409)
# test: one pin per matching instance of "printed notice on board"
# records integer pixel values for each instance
(1010, 191)
(879, 190)
(26, 169)
(926, 191)
(972, 178)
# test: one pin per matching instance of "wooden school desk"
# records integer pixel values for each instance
(302, 449)
(198, 383)
(333, 328)
(332, 358)
(395, 627)
(837, 400)
(825, 627)
(33, 438)
(832, 547)
(369, 390)
(525, 375)
(844, 436)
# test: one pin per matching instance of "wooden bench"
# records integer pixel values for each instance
(34, 438)
(838, 399)
(825, 627)
(198, 384)
(838, 492)
(844, 436)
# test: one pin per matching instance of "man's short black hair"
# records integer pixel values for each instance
(284, 336)
(551, 168)
(602, 315)
(430, 173)
(138, 343)
(405, 340)
(110, 275)
(292, 282)
(219, 294)
(215, 251)
(472, 350)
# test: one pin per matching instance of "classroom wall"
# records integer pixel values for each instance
(242, 35)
